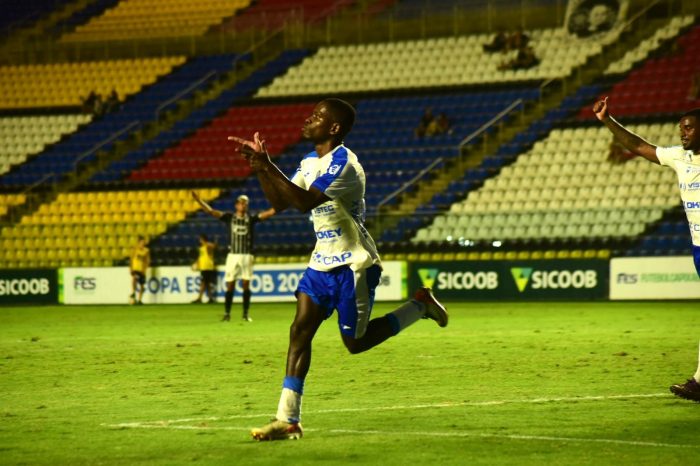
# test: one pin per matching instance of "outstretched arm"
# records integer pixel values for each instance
(206, 207)
(265, 214)
(278, 189)
(631, 141)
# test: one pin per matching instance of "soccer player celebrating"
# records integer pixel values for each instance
(239, 261)
(207, 270)
(344, 269)
(685, 160)
(139, 262)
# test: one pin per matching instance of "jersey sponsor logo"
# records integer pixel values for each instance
(690, 169)
(324, 209)
(553, 279)
(327, 234)
(689, 186)
(333, 169)
(332, 260)
(692, 205)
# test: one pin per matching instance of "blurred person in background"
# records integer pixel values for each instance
(207, 269)
(239, 261)
(139, 262)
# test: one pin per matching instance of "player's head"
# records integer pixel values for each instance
(689, 126)
(242, 202)
(202, 238)
(331, 120)
(141, 240)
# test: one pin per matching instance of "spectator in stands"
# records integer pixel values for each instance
(524, 60)
(207, 269)
(439, 125)
(424, 122)
(685, 160)
(112, 103)
(517, 40)
(139, 262)
(239, 261)
(498, 44)
(618, 154)
(592, 17)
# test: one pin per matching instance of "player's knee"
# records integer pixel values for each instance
(353, 346)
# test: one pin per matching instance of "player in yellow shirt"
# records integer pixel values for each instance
(205, 265)
(139, 261)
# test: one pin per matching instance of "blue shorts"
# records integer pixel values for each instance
(350, 292)
(696, 258)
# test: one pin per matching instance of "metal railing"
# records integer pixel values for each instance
(103, 143)
(475, 134)
(184, 92)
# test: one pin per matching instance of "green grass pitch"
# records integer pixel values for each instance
(504, 383)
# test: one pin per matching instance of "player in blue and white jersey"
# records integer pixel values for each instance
(685, 160)
(344, 268)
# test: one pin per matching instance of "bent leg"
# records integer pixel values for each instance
(378, 330)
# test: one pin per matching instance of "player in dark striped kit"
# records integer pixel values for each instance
(239, 261)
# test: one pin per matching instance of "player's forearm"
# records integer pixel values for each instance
(629, 140)
(272, 194)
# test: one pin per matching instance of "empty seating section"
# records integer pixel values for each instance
(9, 200)
(170, 137)
(68, 84)
(564, 188)
(209, 154)
(63, 157)
(426, 63)
(274, 14)
(21, 137)
(139, 19)
(645, 47)
(93, 228)
(660, 85)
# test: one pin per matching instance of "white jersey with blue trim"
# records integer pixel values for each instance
(341, 238)
(687, 167)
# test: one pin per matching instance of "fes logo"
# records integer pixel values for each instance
(427, 276)
(334, 169)
(521, 275)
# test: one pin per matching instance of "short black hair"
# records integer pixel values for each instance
(342, 112)
(203, 236)
(694, 113)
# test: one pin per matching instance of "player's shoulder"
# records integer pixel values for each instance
(671, 151)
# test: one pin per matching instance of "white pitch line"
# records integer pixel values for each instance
(544, 438)
(402, 407)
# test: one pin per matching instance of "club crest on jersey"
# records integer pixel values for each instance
(333, 169)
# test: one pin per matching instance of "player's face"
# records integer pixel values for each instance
(319, 126)
(241, 207)
(689, 133)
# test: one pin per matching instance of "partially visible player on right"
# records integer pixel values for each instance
(685, 160)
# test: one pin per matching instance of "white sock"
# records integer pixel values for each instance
(289, 407)
(697, 373)
(406, 314)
